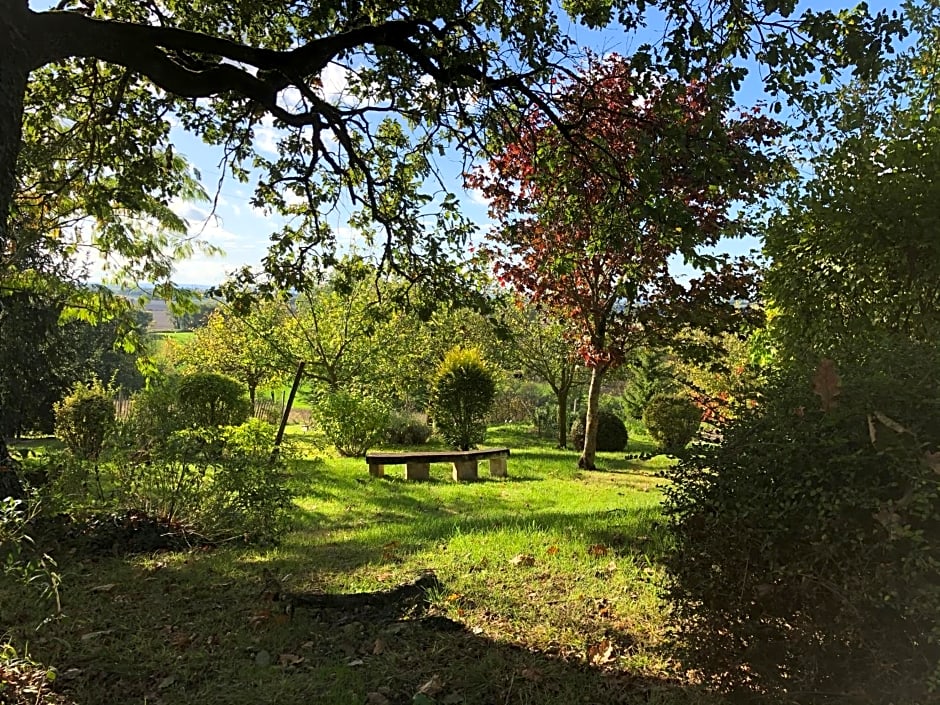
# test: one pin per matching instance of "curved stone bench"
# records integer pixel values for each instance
(418, 464)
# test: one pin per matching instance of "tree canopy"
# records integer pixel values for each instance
(588, 222)
(94, 89)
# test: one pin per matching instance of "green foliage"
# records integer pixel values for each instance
(611, 432)
(207, 400)
(649, 374)
(353, 422)
(672, 421)
(243, 347)
(806, 540)
(221, 481)
(854, 248)
(462, 392)
(84, 418)
(407, 429)
(152, 417)
(198, 400)
(19, 558)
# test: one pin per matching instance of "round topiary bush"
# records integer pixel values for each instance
(672, 421)
(612, 435)
(462, 393)
(83, 418)
(208, 400)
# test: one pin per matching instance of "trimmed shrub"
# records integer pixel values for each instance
(352, 422)
(209, 400)
(807, 541)
(407, 429)
(462, 393)
(83, 419)
(672, 421)
(200, 400)
(612, 434)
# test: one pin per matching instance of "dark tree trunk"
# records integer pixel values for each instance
(10, 485)
(14, 74)
(562, 396)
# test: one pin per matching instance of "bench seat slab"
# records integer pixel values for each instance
(418, 471)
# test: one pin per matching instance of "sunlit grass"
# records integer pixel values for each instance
(551, 573)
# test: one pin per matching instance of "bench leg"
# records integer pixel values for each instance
(465, 470)
(418, 471)
(498, 466)
(377, 470)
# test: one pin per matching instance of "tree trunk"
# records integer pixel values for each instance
(14, 75)
(589, 453)
(562, 396)
(10, 485)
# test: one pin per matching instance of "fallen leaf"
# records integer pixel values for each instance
(432, 687)
(477, 630)
(259, 618)
(523, 559)
(532, 674)
(103, 588)
(600, 653)
(933, 461)
(452, 699)
(355, 662)
(551, 550)
(307, 645)
(379, 647)
(376, 698)
(166, 682)
(612, 567)
(598, 549)
(182, 640)
(453, 597)
(262, 658)
(287, 659)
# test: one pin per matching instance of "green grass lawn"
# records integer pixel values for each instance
(549, 596)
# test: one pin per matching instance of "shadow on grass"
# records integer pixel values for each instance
(186, 631)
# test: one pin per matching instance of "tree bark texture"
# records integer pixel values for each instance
(591, 423)
(14, 75)
(562, 397)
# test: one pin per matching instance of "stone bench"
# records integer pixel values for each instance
(418, 464)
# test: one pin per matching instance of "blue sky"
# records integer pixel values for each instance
(242, 231)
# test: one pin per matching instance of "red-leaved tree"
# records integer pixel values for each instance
(592, 209)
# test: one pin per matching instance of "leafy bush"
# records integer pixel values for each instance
(351, 421)
(407, 429)
(19, 557)
(611, 432)
(199, 400)
(462, 392)
(208, 400)
(672, 421)
(807, 542)
(221, 481)
(83, 419)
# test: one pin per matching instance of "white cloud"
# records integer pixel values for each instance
(266, 136)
